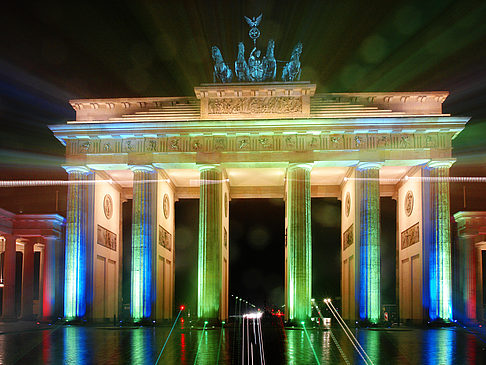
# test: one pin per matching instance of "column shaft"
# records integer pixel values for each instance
(440, 245)
(50, 278)
(210, 243)
(28, 280)
(467, 278)
(143, 238)
(77, 231)
(299, 242)
(9, 260)
(76, 243)
(368, 193)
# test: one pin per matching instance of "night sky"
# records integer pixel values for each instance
(55, 51)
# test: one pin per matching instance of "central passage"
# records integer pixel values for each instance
(257, 252)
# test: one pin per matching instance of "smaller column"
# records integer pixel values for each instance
(28, 280)
(8, 312)
(50, 278)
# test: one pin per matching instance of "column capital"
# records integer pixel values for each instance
(434, 164)
(79, 168)
(365, 165)
(143, 168)
(203, 167)
(302, 165)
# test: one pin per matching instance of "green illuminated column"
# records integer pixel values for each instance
(143, 242)
(209, 270)
(439, 243)
(299, 242)
(368, 203)
(77, 232)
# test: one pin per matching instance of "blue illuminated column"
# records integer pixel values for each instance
(299, 243)
(210, 246)
(368, 223)
(438, 241)
(143, 242)
(77, 233)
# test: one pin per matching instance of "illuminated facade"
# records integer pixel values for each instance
(35, 243)
(471, 256)
(260, 140)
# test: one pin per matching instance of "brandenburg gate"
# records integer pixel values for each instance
(258, 140)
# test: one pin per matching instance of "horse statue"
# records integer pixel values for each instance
(255, 64)
(269, 62)
(291, 71)
(242, 72)
(221, 71)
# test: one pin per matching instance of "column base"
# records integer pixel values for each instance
(9, 318)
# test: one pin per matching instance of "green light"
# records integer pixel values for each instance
(310, 342)
(299, 242)
(200, 341)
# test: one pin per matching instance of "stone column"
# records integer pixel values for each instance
(299, 242)
(439, 242)
(77, 232)
(50, 278)
(209, 270)
(28, 280)
(467, 277)
(143, 242)
(9, 260)
(368, 224)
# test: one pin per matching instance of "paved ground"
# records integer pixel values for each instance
(32, 343)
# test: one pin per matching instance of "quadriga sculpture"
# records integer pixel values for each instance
(242, 72)
(221, 71)
(291, 71)
(255, 64)
(269, 62)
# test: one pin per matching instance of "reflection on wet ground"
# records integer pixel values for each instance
(142, 345)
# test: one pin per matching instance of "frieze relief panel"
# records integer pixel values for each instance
(260, 142)
(255, 105)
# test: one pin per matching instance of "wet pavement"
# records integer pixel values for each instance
(31, 343)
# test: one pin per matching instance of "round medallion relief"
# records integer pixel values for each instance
(409, 203)
(166, 206)
(108, 206)
(347, 207)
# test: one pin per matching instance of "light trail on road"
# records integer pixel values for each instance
(252, 340)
